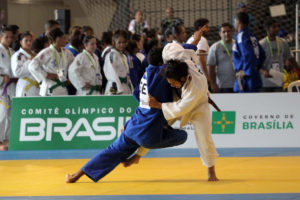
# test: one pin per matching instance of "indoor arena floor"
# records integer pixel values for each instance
(164, 175)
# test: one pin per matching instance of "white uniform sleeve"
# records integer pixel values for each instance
(109, 71)
(75, 72)
(131, 26)
(190, 97)
(35, 67)
(19, 65)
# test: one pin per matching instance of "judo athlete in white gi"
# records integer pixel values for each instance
(84, 72)
(193, 104)
(27, 85)
(116, 69)
(147, 127)
(7, 85)
(50, 66)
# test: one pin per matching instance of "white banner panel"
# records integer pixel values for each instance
(253, 120)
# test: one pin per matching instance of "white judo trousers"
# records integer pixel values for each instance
(7, 92)
(49, 60)
(27, 85)
(85, 69)
(193, 105)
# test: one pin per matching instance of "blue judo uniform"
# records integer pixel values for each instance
(147, 127)
(248, 56)
(136, 70)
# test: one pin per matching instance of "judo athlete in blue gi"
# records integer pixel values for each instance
(248, 57)
(147, 127)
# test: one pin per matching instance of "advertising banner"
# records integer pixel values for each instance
(94, 122)
(71, 122)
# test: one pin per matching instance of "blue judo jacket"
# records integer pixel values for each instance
(146, 125)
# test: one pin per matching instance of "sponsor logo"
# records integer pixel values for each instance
(223, 122)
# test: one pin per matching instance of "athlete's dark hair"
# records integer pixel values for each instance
(87, 38)
(23, 35)
(135, 37)
(87, 28)
(55, 33)
(107, 38)
(155, 57)
(176, 69)
(5, 29)
(14, 28)
(119, 33)
(39, 44)
(50, 23)
(243, 18)
(199, 23)
(131, 46)
(149, 44)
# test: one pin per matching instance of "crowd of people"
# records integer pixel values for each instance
(81, 64)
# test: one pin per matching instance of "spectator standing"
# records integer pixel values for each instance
(138, 24)
(219, 62)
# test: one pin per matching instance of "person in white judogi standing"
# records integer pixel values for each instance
(116, 68)
(50, 66)
(193, 104)
(84, 72)
(27, 85)
(7, 85)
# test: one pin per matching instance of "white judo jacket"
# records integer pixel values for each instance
(5, 68)
(86, 69)
(193, 104)
(27, 85)
(116, 70)
(49, 60)
(7, 91)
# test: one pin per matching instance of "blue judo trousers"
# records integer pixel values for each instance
(147, 128)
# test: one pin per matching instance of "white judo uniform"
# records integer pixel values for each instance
(49, 60)
(27, 85)
(193, 104)
(7, 92)
(116, 70)
(86, 69)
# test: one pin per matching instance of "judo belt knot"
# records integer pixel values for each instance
(123, 80)
(58, 83)
(31, 84)
(94, 88)
(12, 80)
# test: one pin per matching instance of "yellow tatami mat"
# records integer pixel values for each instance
(153, 176)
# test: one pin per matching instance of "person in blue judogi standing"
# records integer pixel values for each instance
(248, 57)
(147, 127)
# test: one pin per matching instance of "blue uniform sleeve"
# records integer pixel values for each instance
(247, 54)
(158, 86)
(136, 93)
(134, 70)
(189, 46)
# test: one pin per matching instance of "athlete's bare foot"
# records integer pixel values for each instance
(212, 174)
(3, 147)
(72, 178)
(133, 160)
